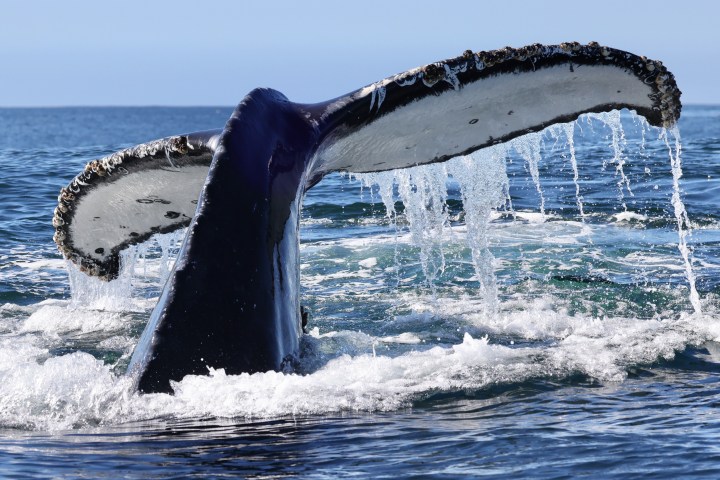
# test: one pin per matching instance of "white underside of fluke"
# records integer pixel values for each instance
(479, 113)
(144, 201)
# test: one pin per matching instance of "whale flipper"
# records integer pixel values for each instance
(232, 301)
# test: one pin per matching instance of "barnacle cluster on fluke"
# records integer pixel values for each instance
(468, 66)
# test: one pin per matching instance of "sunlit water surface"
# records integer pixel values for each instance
(524, 312)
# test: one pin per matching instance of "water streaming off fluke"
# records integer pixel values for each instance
(484, 187)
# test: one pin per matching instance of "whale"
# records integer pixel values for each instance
(232, 299)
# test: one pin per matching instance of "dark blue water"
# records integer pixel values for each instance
(587, 359)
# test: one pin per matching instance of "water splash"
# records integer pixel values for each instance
(385, 182)
(94, 294)
(529, 147)
(121, 294)
(683, 222)
(568, 131)
(423, 192)
(618, 144)
(484, 188)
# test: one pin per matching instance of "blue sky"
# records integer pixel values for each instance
(180, 52)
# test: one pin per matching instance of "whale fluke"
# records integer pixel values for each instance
(232, 300)
(125, 198)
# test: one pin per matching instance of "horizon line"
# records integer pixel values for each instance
(10, 107)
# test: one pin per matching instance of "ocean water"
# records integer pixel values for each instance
(547, 309)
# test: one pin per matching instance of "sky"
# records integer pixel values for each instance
(179, 52)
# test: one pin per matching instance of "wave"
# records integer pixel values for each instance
(446, 347)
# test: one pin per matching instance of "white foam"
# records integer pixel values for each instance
(41, 264)
(368, 262)
(533, 217)
(60, 319)
(628, 216)
(39, 391)
(407, 338)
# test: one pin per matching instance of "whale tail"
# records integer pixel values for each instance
(232, 301)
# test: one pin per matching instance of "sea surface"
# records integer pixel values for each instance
(546, 309)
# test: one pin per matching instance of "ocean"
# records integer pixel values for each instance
(544, 309)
